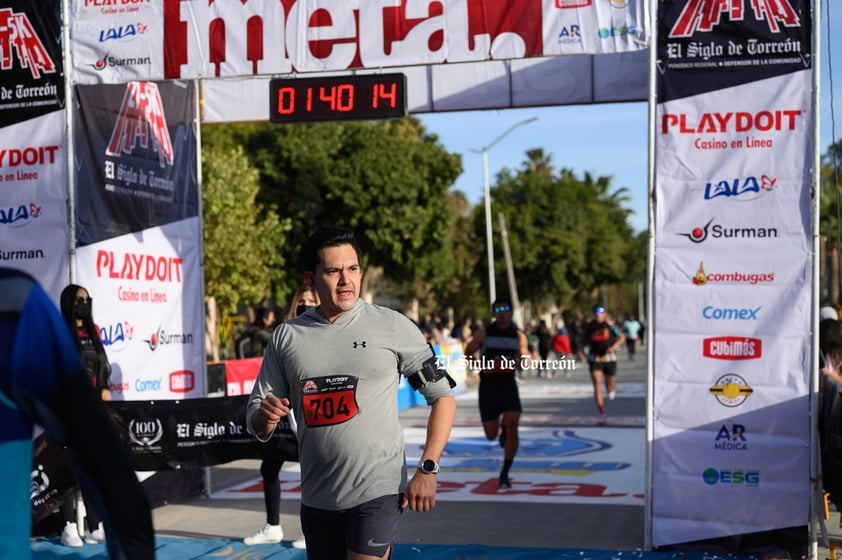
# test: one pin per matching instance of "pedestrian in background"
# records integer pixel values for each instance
(631, 329)
(304, 298)
(502, 346)
(77, 311)
(603, 339)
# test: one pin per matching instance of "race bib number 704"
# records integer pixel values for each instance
(329, 400)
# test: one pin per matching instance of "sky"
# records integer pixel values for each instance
(606, 139)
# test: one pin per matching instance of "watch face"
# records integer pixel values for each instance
(429, 466)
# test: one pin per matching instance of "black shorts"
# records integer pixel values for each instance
(498, 393)
(368, 528)
(608, 368)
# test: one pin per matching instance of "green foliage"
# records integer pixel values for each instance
(388, 180)
(267, 187)
(568, 236)
(242, 241)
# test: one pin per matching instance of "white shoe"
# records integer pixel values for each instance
(299, 543)
(602, 419)
(611, 395)
(70, 536)
(269, 534)
(96, 536)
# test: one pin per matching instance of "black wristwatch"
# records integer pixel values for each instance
(428, 466)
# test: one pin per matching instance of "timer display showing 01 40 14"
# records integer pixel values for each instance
(337, 98)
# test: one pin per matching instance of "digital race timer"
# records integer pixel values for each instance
(337, 98)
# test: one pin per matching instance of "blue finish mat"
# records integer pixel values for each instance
(186, 549)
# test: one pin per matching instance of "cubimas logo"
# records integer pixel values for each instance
(182, 381)
(705, 16)
(702, 278)
(732, 348)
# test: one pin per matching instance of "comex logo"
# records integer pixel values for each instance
(730, 313)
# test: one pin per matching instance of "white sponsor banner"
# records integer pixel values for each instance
(147, 290)
(33, 200)
(125, 40)
(732, 307)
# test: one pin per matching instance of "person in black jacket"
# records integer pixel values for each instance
(76, 308)
(42, 382)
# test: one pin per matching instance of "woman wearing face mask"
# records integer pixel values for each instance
(304, 299)
(76, 305)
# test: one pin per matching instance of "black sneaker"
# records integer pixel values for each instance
(505, 484)
(502, 435)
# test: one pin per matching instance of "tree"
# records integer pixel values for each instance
(387, 180)
(830, 222)
(568, 236)
(242, 240)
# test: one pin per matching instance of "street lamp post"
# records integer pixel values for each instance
(489, 241)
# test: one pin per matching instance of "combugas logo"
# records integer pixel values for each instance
(702, 278)
(731, 390)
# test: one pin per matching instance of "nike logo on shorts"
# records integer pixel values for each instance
(372, 543)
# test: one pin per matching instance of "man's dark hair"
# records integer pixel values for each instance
(325, 237)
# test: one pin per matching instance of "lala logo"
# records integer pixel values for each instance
(739, 187)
